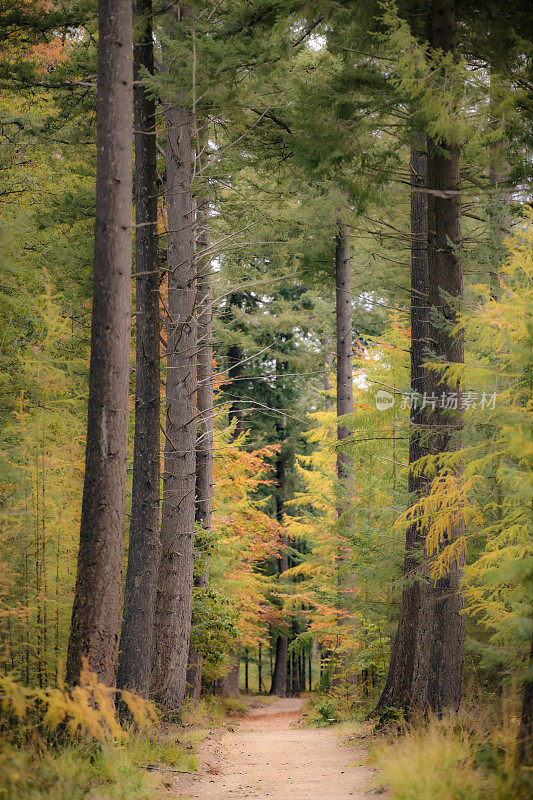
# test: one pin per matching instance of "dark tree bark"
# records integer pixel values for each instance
(525, 734)
(439, 667)
(343, 314)
(398, 688)
(427, 656)
(95, 624)
(279, 678)
(175, 579)
(343, 310)
(279, 681)
(204, 437)
(135, 656)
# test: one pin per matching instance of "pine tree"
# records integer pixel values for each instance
(135, 657)
(427, 659)
(97, 602)
(205, 403)
(176, 567)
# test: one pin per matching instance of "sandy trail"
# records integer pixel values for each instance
(269, 754)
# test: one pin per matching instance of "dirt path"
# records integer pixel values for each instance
(270, 754)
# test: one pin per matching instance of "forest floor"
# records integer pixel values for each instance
(272, 753)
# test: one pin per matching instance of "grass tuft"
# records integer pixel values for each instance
(459, 757)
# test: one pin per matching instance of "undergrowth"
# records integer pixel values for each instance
(68, 745)
(468, 756)
(72, 772)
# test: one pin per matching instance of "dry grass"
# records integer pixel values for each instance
(459, 757)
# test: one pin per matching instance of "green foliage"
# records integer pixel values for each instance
(216, 630)
(326, 712)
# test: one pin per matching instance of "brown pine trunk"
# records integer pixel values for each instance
(279, 681)
(443, 660)
(135, 656)
(95, 624)
(398, 688)
(343, 314)
(279, 678)
(175, 579)
(343, 310)
(427, 660)
(204, 437)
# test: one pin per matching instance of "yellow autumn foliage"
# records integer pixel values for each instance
(86, 711)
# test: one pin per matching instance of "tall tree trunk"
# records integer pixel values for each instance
(427, 662)
(398, 687)
(95, 627)
(135, 656)
(443, 660)
(499, 225)
(343, 313)
(343, 310)
(175, 579)
(204, 437)
(279, 680)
